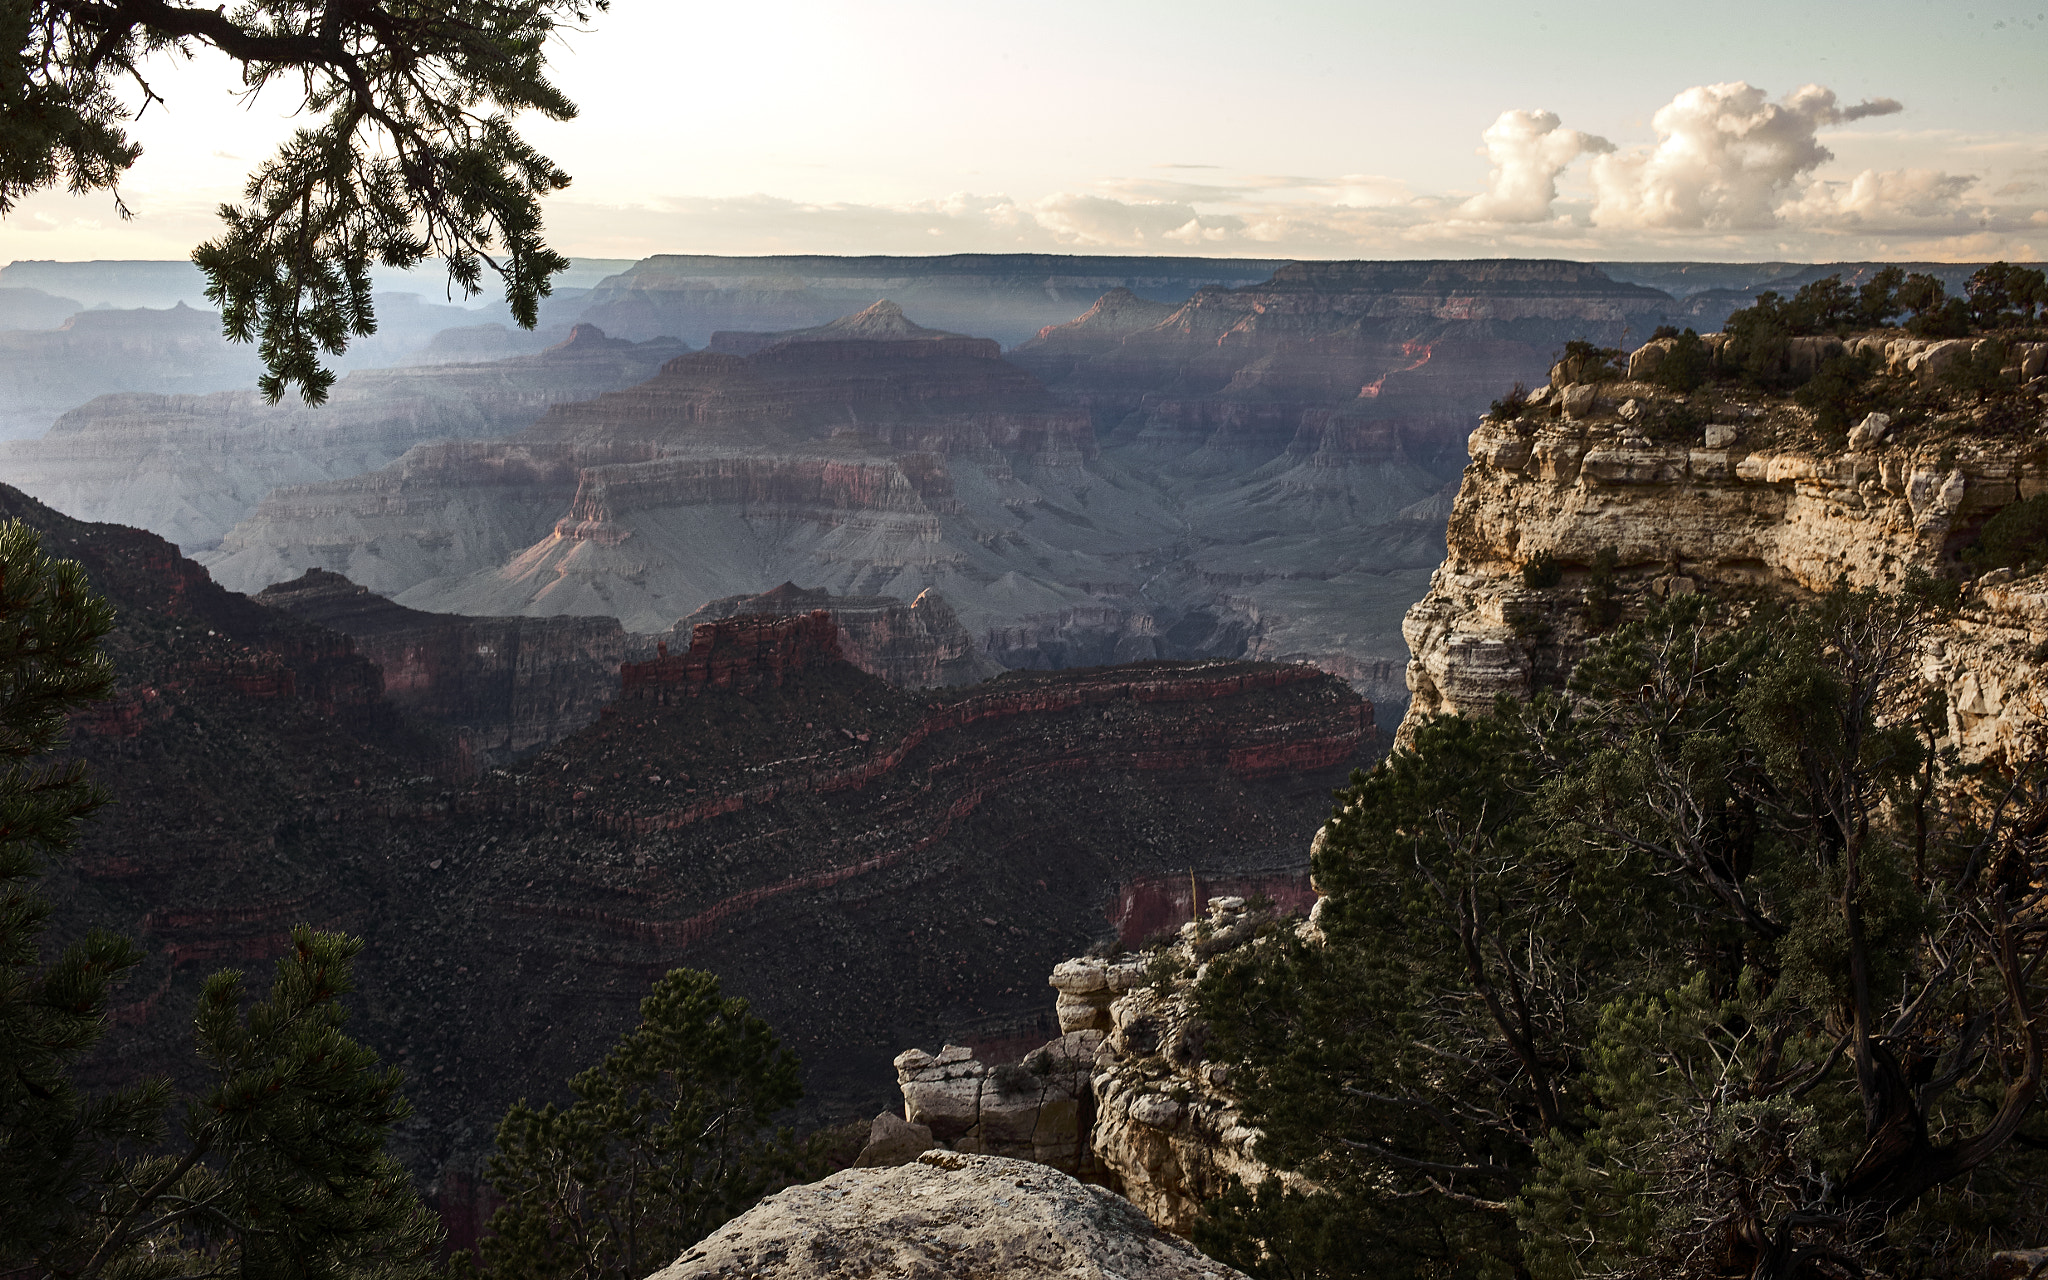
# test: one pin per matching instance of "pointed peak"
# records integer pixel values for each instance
(882, 322)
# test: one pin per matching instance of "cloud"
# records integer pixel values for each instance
(1528, 150)
(1724, 159)
(1731, 173)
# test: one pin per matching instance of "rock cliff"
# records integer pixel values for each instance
(974, 1217)
(190, 467)
(1757, 500)
(872, 458)
(871, 867)
(502, 685)
(1007, 297)
(1308, 427)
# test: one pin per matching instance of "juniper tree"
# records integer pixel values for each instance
(413, 155)
(1712, 967)
(667, 1138)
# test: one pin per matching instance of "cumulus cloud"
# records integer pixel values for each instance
(1725, 158)
(1528, 150)
(1731, 172)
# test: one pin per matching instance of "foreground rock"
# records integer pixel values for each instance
(947, 1214)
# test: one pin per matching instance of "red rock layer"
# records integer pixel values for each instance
(746, 655)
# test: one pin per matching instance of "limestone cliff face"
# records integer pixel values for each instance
(192, 466)
(504, 685)
(1755, 501)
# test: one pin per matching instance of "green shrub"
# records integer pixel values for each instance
(2017, 534)
(1686, 366)
(1510, 406)
(1542, 572)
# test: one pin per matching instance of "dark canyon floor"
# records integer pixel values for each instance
(872, 867)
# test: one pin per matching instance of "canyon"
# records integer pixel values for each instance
(870, 866)
(1257, 471)
(190, 467)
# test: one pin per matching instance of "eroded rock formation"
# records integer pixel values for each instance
(190, 467)
(915, 645)
(503, 685)
(946, 1214)
(1755, 501)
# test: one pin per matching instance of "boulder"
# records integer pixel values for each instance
(1872, 430)
(2017, 1264)
(893, 1141)
(947, 1214)
(1720, 435)
(1579, 398)
(1646, 359)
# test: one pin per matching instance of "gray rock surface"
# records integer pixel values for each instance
(948, 1214)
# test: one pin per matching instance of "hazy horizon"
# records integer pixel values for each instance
(1299, 130)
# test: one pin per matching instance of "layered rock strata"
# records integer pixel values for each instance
(1308, 426)
(1007, 297)
(947, 1214)
(1757, 502)
(503, 685)
(871, 457)
(190, 467)
(916, 851)
(916, 645)
(1146, 1113)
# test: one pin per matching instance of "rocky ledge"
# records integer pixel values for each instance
(1745, 498)
(946, 1214)
(1126, 1095)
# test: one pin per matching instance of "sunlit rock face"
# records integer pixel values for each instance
(1007, 297)
(190, 467)
(1756, 502)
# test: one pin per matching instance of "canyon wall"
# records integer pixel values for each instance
(870, 867)
(190, 467)
(1755, 501)
(501, 685)
(1007, 297)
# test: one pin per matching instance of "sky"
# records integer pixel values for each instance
(1736, 131)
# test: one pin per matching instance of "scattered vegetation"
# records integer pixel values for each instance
(1542, 571)
(2015, 536)
(276, 1166)
(1510, 406)
(1713, 966)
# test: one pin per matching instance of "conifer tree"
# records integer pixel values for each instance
(277, 1167)
(667, 1139)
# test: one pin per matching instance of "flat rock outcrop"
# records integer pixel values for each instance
(1754, 501)
(503, 685)
(947, 1214)
(190, 467)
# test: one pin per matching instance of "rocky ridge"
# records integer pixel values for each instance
(502, 686)
(1007, 297)
(1755, 501)
(919, 645)
(190, 467)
